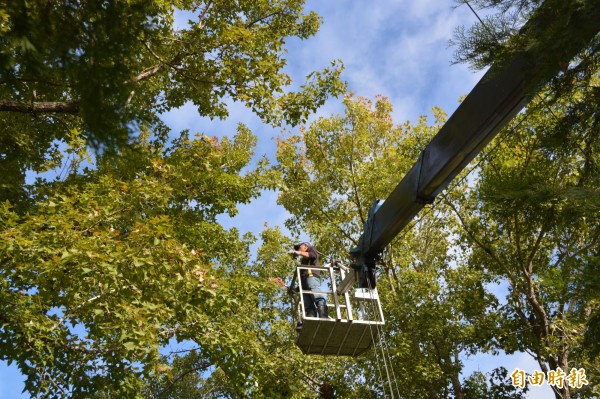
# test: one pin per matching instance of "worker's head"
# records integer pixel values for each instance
(302, 246)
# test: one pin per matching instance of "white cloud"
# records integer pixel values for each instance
(395, 48)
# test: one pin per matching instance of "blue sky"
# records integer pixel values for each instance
(394, 48)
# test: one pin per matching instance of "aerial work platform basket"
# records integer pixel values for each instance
(355, 317)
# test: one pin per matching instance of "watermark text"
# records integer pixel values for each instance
(556, 378)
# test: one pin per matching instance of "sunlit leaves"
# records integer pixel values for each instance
(436, 310)
(338, 166)
(121, 65)
(532, 222)
(111, 266)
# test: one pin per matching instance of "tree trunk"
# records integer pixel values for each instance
(456, 385)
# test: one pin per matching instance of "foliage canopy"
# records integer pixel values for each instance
(101, 71)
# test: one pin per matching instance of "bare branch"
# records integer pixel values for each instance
(148, 73)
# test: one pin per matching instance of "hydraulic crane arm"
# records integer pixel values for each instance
(502, 92)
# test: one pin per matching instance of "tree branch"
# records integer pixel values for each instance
(249, 24)
(475, 240)
(566, 255)
(344, 233)
(535, 249)
(148, 73)
(203, 366)
(104, 219)
(518, 239)
(201, 18)
(354, 188)
(66, 316)
(41, 107)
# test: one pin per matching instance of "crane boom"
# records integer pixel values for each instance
(500, 94)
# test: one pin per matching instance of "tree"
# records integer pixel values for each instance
(533, 217)
(532, 223)
(115, 263)
(112, 264)
(105, 265)
(436, 312)
(102, 71)
(277, 369)
(503, 32)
